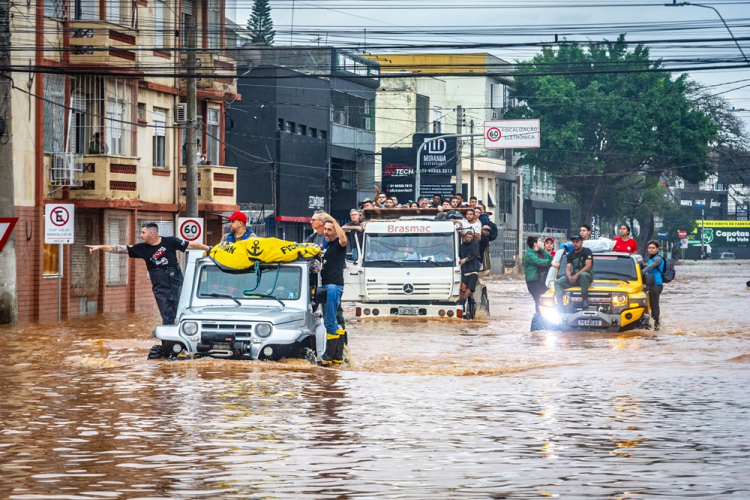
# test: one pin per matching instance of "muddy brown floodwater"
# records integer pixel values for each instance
(430, 409)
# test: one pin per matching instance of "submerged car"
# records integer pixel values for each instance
(268, 313)
(616, 299)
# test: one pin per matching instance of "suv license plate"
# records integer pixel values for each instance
(408, 311)
(589, 322)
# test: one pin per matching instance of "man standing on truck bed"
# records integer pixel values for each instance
(160, 254)
(332, 277)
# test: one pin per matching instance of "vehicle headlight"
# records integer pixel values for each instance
(619, 299)
(548, 302)
(190, 327)
(263, 330)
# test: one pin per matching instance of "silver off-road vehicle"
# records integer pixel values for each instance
(267, 314)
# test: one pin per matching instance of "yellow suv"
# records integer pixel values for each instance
(616, 299)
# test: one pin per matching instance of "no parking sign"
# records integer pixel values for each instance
(191, 228)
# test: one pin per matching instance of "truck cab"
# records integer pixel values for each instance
(406, 266)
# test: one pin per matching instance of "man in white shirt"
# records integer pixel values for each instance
(472, 221)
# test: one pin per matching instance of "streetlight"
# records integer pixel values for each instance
(690, 4)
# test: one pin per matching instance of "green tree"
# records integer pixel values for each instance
(611, 125)
(260, 24)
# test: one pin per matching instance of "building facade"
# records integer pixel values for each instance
(305, 139)
(96, 123)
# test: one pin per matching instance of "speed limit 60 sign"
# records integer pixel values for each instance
(191, 228)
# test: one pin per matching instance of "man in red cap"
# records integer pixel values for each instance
(238, 230)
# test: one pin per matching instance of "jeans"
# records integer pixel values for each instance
(331, 307)
(584, 281)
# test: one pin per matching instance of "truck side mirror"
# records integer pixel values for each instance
(355, 254)
(649, 279)
(321, 295)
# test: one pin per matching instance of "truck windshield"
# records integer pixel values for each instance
(610, 267)
(242, 286)
(417, 250)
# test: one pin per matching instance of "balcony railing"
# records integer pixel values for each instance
(106, 178)
(103, 43)
(210, 64)
(216, 184)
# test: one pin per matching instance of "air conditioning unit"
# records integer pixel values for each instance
(66, 170)
(180, 113)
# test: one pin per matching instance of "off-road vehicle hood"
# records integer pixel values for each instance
(274, 315)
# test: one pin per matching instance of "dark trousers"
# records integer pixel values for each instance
(654, 292)
(536, 289)
(166, 284)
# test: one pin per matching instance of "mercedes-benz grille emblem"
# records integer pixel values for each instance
(408, 288)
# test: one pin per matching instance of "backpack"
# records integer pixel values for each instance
(493, 230)
(668, 274)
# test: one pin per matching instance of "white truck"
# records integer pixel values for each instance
(407, 266)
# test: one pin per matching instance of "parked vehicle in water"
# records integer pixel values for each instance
(616, 299)
(407, 266)
(267, 314)
(727, 256)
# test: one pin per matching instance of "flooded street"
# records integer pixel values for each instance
(473, 409)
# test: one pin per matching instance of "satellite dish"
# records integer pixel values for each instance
(251, 54)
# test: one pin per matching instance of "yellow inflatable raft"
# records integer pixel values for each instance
(241, 256)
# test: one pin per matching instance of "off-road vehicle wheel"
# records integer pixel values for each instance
(538, 323)
(156, 352)
(309, 355)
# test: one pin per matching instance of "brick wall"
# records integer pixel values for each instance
(37, 295)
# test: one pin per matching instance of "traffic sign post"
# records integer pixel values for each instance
(59, 227)
(191, 228)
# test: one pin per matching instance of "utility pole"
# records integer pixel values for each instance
(191, 145)
(471, 161)
(8, 297)
(459, 123)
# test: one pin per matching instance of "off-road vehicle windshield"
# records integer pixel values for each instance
(610, 267)
(277, 282)
(417, 250)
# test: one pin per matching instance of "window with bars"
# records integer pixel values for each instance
(54, 113)
(116, 264)
(102, 114)
(160, 139)
(212, 154)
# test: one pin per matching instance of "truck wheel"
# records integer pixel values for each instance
(309, 355)
(538, 323)
(156, 352)
(484, 302)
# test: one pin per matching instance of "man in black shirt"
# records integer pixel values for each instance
(577, 272)
(332, 277)
(160, 254)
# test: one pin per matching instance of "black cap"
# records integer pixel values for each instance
(576, 237)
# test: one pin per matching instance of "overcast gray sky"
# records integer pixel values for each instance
(343, 23)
